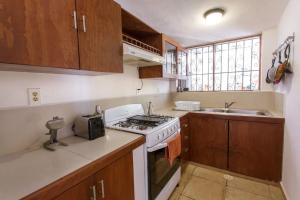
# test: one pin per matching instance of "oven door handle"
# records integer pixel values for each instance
(163, 144)
(157, 147)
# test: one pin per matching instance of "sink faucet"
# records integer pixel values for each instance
(149, 112)
(228, 105)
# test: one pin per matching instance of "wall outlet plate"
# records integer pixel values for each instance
(34, 96)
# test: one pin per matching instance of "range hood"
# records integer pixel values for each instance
(137, 56)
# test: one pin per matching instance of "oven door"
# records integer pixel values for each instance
(159, 169)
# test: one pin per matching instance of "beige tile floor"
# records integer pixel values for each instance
(198, 183)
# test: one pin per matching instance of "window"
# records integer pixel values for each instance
(226, 66)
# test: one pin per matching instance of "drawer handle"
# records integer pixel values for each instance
(186, 150)
(84, 23)
(94, 197)
(186, 137)
(185, 125)
(75, 19)
(101, 190)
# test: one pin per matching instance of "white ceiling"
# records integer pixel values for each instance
(183, 19)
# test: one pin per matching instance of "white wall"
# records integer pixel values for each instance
(58, 88)
(268, 44)
(289, 23)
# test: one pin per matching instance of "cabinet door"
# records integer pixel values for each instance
(115, 181)
(185, 138)
(170, 55)
(38, 32)
(100, 35)
(209, 141)
(82, 191)
(255, 149)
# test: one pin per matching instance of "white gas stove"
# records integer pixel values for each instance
(132, 118)
(160, 177)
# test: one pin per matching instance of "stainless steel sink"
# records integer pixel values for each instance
(237, 111)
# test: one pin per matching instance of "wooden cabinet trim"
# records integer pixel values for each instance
(63, 184)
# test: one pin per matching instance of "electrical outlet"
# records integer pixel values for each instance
(34, 96)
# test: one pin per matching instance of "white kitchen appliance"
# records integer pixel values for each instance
(187, 105)
(137, 56)
(160, 177)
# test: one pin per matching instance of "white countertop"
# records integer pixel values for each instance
(179, 113)
(26, 172)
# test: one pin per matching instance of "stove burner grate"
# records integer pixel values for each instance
(143, 122)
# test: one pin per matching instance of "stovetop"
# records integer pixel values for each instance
(132, 118)
(143, 122)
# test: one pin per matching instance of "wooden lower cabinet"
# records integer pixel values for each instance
(255, 149)
(251, 146)
(116, 181)
(209, 141)
(113, 182)
(185, 138)
(82, 191)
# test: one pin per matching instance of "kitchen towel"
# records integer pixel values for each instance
(173, 149)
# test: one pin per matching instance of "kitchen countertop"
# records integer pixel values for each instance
(26, 172)
(179, 113)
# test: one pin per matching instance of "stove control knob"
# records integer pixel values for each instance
(158, 138)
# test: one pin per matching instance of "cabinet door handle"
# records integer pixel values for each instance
(186, 137)
(101, 191)
(185, 125)
(84, 23)
(94, 197)
(75, 19)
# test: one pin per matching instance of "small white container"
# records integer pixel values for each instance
(187, 105)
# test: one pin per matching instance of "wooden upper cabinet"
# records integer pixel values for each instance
(38, 32)
(100, 35)
(115, 181)
(174, 66)
(208, 140)
(255, 149)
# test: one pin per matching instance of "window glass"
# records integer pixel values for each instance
(226, 66)
(200, 62)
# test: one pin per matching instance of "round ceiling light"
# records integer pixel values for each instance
(214, 16)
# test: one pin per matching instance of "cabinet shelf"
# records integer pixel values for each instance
(137, 43)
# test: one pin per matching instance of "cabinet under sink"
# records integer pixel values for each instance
(245, 144)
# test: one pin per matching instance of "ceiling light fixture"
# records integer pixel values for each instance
(214, 16)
